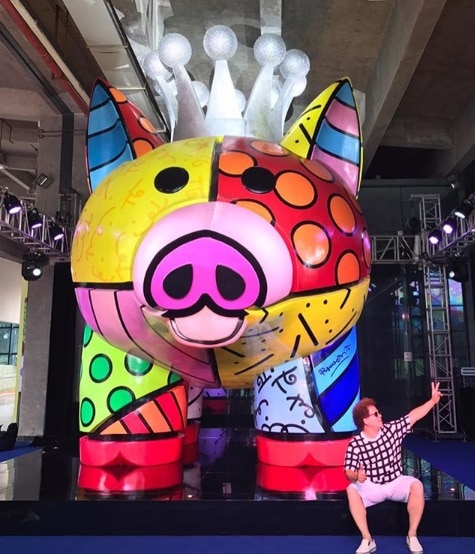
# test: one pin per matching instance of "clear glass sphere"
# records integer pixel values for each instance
(220, 42)
(299, 86)
(269, 49)
(202, 92)
(153, 66)
(175, 49)
(296, 64)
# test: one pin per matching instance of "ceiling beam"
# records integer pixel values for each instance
(25, 104)
(414, 132)
(462, 152)
(409, 30)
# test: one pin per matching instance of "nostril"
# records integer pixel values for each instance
(177, 284)
(230, 284)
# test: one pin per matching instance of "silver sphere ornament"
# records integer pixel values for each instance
(220, 42)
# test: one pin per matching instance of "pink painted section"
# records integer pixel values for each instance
(84, 303)
(192, 364)
(108, 317)
(348, 172)
(343, 117)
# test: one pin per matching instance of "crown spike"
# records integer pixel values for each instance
(227, 111)
(175, 52)
(269, 51)
(223, 115)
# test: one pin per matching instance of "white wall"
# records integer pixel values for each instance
(11, 283)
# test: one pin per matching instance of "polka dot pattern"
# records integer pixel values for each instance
(111, 382)
(342, 214)
(100, 368)
(311, 243)
(119, 398)
(316, 215)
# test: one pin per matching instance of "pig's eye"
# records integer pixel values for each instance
(171, 179)
(258, 180)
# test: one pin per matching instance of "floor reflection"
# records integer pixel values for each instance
(223, 466)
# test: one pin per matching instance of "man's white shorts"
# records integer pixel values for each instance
(374, 493)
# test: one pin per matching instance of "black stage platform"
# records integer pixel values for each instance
(224, 492)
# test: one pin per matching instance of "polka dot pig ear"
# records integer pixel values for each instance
(329, 131)
(117, 132)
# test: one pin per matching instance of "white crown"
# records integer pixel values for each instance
(193, 111)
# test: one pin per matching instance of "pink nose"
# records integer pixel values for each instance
(203, 269)
(217, 255)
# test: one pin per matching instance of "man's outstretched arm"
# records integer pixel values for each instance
(418, 413)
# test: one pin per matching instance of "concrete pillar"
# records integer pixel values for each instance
(36, 355)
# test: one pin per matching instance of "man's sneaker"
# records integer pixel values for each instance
(366, 547)
(414, 545)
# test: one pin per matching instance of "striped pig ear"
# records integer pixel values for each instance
(117, 132)
(329, 131)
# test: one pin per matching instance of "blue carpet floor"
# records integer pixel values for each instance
(20, 449)
(226, 544)
(456, 458)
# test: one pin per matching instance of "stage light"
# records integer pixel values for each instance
(55, 231)
(449, 225)
(11, 203)
(457, 271)
(463, 211)
(35, 220)
(466, 207)
(435, 236)
(32, 266)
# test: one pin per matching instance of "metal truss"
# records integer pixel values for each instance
(16, 228)
(416, 249)
(395, 249)
(439, 337)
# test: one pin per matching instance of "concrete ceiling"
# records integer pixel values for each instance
(413, 60)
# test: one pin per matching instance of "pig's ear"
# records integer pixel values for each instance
(329, 131)
(117, 132)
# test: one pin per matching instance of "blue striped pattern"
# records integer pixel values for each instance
(108, 144)
(339, 144)
(346, 95)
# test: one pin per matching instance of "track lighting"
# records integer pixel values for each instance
(449, 225)
(55, 231)
(35, 220)
(466, 207)
(435, 236)
(11, 203)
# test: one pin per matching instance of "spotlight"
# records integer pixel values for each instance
(11, 203)
(32, 266)
(55, 231)
(465, 209)
(35, 219)
(449, 225)
(435, 236)
(457, 271)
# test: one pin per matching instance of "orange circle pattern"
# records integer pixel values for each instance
(295, 189)
(342, 214)
(348, 269)
(318, 169)
(269, 148)
(257, 208)
(235, 163)
(311, 244)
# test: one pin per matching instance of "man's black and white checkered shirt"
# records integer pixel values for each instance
(380, 457)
